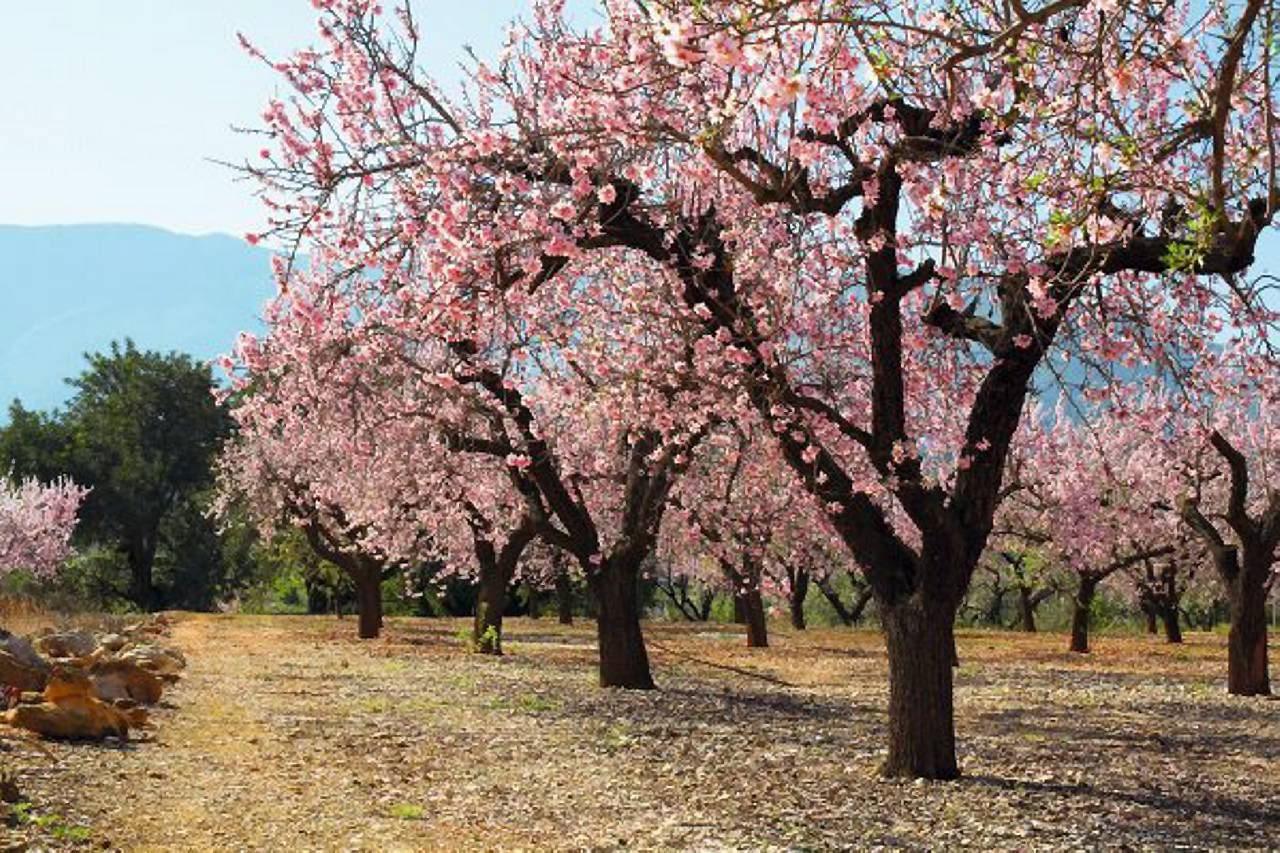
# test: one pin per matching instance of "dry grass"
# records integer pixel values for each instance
(24, 615)
(287, 733)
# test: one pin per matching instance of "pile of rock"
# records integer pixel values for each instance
(83, 684)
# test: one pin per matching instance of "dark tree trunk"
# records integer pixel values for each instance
(564, 598)
(623, 659)
(1080, 615)
(833, 598)
(491, 601)
(739, 609)
(1149, 611)
(799, 592)
(705, 604)
(1247, 641)
(1027, 610)
(921, 643)
(752, 606)
(847, 615)
(142, 558)
(369, 598)
(1172, 629)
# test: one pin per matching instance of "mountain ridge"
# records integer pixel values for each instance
(70, 289)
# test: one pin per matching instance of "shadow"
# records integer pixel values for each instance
(1180, 729)
(1215, 805)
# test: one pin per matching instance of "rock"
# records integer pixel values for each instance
(133, 712)
(67, 683)
(20, 666)
(83, 718)
(21, 650)
(112, 642)
(67, 644)
(123, 678)
(70, 711)
(14, 674)
(163, 661)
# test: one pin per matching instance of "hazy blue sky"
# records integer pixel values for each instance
(110, 109)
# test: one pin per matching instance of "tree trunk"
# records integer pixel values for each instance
(142, 558)
(623, 659)
(1080, 615)
(921, 643)
(1247, 641)
(1027, 610)
(799, 592)
(1150, 613)
(833, 598)
(739, 609)
(564, 598)
(369, 599)
(1172, 630)
(752, 604)
(491, 600)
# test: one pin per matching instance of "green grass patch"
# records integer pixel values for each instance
(407, 811)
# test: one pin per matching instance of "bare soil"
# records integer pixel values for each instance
(287, 733)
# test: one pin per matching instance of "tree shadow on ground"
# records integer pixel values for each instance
(1175, 728)
(1219, 808)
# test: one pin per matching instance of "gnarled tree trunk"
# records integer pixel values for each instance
(491, 601)
(752, 606)
(799, 592)
(1247, 673)
(1169, 617)
(624, 662)
(368, 580)
(564, 598)
(1026, 610)
(921, 644)
(1149, 611)
(1080, 614)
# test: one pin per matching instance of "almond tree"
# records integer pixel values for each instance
(1230, 499)
(1159, 585)
(1087, 494)
(880, 217)
(36, 523)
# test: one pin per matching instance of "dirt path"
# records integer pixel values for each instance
(286, 734)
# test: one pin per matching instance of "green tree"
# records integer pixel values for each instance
(141, 430)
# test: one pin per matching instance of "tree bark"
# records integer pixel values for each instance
(799, 592)
(921, 646)
(752, 606)
(564, 598)
(491, 601)
(369, 598)
(624, 662)
(142, 557)
(1247, 673)
(1027, 610)
(1172, 630)
(1080, 615)
(1149, 611)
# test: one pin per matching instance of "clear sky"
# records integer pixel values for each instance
(110, 110)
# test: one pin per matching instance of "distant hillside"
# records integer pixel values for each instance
(65, 290)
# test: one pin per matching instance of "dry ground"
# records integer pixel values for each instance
(288, 734)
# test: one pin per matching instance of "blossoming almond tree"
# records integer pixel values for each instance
(1229, 496)
(1160, 583)
(1088, 495)
(882, 217)
(36, 523)
(521, 434)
